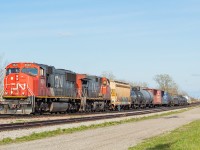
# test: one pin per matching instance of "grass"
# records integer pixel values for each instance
(36, 136)
(184, 138)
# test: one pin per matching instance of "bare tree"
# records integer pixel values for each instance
(184, 93)
(166, 83)
(108, 74)
(140, 84)
(3, 63)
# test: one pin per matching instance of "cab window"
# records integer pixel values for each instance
(41, 72)
(12, 70)
(30, 71)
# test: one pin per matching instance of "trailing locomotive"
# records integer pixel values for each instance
(31, 88)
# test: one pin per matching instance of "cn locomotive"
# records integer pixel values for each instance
(31, 88)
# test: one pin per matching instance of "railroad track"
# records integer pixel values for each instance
(28, 116)
(15, 126)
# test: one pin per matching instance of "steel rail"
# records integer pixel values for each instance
(16, 126)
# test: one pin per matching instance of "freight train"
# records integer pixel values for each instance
(31, 88)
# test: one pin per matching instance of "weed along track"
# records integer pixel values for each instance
(16, 126)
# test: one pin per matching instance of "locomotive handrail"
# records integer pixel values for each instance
(30, 91)
(32, 98)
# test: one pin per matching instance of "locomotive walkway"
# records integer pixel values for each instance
(118, 137)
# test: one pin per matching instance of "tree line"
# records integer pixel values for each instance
(164, 82)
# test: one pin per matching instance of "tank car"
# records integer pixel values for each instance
(175, 100)
(166, 99)
(141, 98)
(188, 100)
(179, 100)
(183, 100)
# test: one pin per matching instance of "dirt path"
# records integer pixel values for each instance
(113, 138)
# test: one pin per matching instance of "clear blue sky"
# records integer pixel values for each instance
(135, 39)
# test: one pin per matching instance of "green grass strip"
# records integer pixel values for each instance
(41, 135)
(183, 138)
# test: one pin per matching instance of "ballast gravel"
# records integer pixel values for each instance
(118, 137)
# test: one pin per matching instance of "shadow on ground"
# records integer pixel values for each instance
(161, 147)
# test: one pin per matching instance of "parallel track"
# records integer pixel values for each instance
(16, 126)
(27, 116)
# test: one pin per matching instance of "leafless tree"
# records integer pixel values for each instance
(165, 82)
(184, 93)
(140, 84)
(3, 63)
(108, 74)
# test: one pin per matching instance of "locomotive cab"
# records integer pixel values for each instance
(20, 80)
(19, 87)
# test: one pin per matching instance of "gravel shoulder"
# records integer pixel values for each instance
(113, 137)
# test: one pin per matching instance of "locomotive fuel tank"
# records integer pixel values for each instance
(59, 107)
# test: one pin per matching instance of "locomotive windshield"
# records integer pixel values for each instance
(12, 70)
(30, 71)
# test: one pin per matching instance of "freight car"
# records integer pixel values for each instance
(167, 99)
(120, 95)
(179, 100)
(141, 98)
(188, 100)
(157, 96)
(37, 88)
